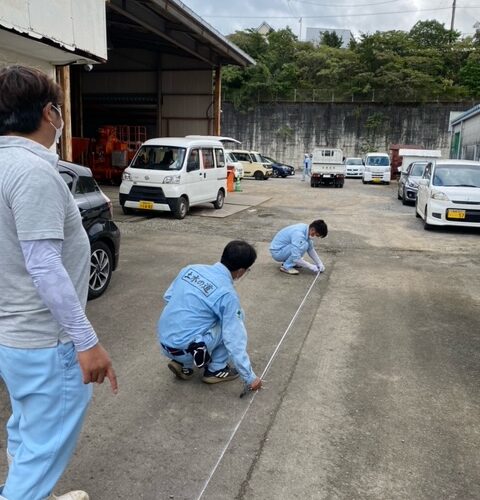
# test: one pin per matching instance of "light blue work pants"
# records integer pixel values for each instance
(305, 172)
(288, 255)
(217, 350)
(49, 401)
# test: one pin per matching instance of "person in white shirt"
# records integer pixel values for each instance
(49, 351)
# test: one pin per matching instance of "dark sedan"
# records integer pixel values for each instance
(408, 182)
(96, 211)
(279, 169)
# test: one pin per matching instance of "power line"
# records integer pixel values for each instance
(342, 15)
(346, 5)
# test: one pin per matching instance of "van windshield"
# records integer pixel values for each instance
(159, 158)
(381, 161)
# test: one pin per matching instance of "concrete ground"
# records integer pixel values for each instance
(373, 393)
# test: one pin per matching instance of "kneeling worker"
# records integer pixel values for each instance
(292, 242)
(202, 323)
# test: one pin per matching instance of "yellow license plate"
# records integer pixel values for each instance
(456, 214)
(147, 205)
(377, 180)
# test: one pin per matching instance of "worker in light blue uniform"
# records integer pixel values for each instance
(307, 165)
(202, 323)
(292, 242)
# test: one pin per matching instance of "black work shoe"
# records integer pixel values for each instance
(179, 370)
(223, 375)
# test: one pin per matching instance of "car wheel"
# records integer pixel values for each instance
(218, 203)
(101, 266)
(426, 226)
(180, 209)
(417, 215)
(404, 198)
(283, 176)
(258, 175)
(364, 181)
(399, 196)
(127, 210)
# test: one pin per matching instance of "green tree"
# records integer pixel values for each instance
(331, 39)
(470, 74)
(432, 34)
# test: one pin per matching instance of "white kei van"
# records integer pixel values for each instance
(173, 174)
(377, 168)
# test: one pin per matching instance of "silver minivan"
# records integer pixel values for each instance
(173, 174)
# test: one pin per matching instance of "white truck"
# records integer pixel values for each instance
(327, 167)
(410, 155)
(377, 168)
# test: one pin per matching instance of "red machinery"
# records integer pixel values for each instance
(111, 153)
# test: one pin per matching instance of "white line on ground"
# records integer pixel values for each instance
(270, 361)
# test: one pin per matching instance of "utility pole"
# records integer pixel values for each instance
(300, 36)
(454, 5)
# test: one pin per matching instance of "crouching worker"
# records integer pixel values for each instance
(292, 242)
(202, 322)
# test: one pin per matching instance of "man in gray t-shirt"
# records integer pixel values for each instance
(49, 351)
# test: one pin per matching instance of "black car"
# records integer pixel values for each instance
(279, 169)
(96, 211)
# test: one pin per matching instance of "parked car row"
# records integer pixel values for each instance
(445, 192)
(372, 168)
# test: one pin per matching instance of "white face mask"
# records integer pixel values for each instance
(59, 130)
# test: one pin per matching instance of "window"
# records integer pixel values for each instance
(159, 158)
(207, 156)
(86, 185)
(416, 169)
(220, 157)
(242, 156)
(193, 162)
(428, 171)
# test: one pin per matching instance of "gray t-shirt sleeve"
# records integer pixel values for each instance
(39, 199)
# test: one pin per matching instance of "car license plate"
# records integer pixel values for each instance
(147, 205)
(377, 180)
(327, 176)
(456, 214)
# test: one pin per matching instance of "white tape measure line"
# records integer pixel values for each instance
(234, 432)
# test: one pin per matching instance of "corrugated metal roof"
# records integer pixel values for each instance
(468, 114)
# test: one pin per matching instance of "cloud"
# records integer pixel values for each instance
(382, 15)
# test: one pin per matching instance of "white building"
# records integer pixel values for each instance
(55, 33)
(314, 35)
(465, 135)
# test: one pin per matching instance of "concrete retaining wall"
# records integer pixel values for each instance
(288, 130)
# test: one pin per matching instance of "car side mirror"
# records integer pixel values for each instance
(400, 169)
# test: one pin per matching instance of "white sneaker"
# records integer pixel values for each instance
(289, 271)
(73, 495)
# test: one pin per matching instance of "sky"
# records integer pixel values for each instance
(359, 16)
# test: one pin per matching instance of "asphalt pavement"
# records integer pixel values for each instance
(372, 385)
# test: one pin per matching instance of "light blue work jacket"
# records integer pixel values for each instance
(297, 236)
(200, 297)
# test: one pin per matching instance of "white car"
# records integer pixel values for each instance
(354, 167)
(234, 165)
(449, 194)
(174, 174)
